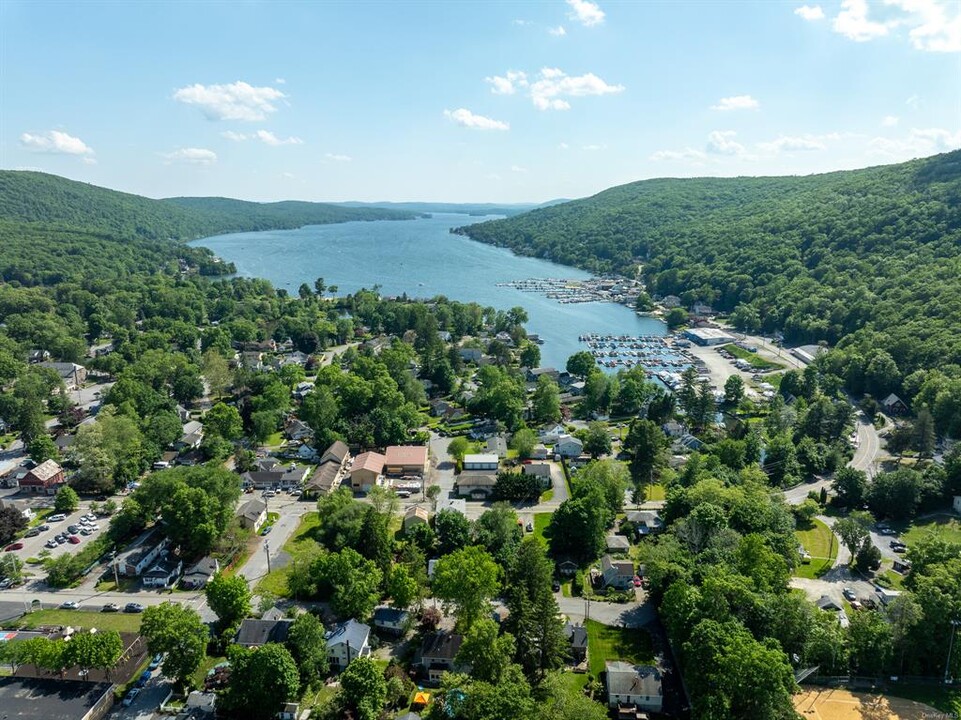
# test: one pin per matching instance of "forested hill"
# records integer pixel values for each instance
(53, 229)
(873, 255)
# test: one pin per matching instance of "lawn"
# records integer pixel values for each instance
(654, 492)
(547, 495)
(275, 440)
(947, 527)
(604, 643)
(541, 521)
(206, 665)
(821, 543)
(121, 622)
(758, 363)
(575, 682)
(300, 543)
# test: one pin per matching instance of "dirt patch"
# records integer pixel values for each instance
(830, 704)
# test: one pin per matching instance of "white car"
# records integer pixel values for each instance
(56, 518)
(70, 605)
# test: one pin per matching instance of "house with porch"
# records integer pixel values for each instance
(164, 574)
(633, 689)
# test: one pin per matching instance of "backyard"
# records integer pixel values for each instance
(612, 643)
(822, 545)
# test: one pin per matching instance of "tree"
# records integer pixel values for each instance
(851, 486)
(99, 651)
(363, 688)
(42, 448)
(66, 500)
(904, 613)
(498, 530)
(580, 364)
(646, 444)
(676, 317)
(452, 529)
(853, 530)
(733, 390)
(597, 440)
(229, 598)
(458, 447)
(307, 646)
(530, 355)
(486, 651)
(562, 702)
(534, 614)
(403, 587)
(216, 372)
(11, 567)
(924, 435)
(517, 486)
(524, 441)
(355, 583)
(224, 421)
(178, 632)
(261, 681)
(546, 403)
(780, 462)
(12, 521)
(466, 580)
(896, 494)
(870, 641)
(578, 527)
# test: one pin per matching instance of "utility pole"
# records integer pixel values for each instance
(267, 553)
(947, 664)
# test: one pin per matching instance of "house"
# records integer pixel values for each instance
(886, 595)
(415, 515)
(325, 480)
(633, 688)
(551, 433)
(182, 412)
(673, 429)
(163, 574)
(347, 642)
(437, 654)
(480, 462)
(391, 620)
(45, 479)
(367, 471)
(406, 460)
(535, 374)
(290, 711)
(255, 633)
(542, 471)
(135, 561)
(825, 602)
(901, 566)
(193, 433)
(702, 309)
(617, 544)
(540, 452)
(253, 514)
(454, 504)
(577, 637)
(252, 360)
(504, 337)
(470, 354)
(568, 446)
(303, 389)
(893, 405)
(576, 388)
(337, 452)
(73, 375)
(646, 522)
(671, 301)
(476, 485)
(567, 568)
(200, 573)
(439, 408)
(37, 356)
(617, 573)
(497, 445)
(305, 453)
(298, 431)
(277, 476)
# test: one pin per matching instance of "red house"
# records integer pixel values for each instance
(45, 479)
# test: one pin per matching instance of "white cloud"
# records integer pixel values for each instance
(507, 84)
(722, 142)
(552, 85)
(853, 22)
(520, 22)
(558, 31)
(810, 12)
(518, 169)
(934, 28)
(465, 118)
(918, 143)
(736, 102)
(585, 12)
(889, 121)
(593, 148)
(279, 81)
(235, 136)
(236, 101)
(268, 138)
(563, 146)
(685, 154)
(192, 156)
(56, 142)
(805, 143)
(338, 158)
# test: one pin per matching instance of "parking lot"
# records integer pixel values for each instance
(34, 546)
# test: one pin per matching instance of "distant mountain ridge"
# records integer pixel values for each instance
(476, 209)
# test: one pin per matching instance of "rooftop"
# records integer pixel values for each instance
(372, 461)
(45, 470)
(338, 450)
(352, 633)
(254, 633)
(406, 455)
(626, 679)
(252, 509)
(480, 459)
(441, 645)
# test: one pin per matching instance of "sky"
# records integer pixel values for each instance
(469, 101)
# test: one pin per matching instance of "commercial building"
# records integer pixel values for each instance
(406, 460)
(708, 336)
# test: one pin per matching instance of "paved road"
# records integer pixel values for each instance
(612, 614)
(145, 706)
(291, 510)
(868, 446)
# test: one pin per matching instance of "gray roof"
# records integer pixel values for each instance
(576, 635)
(409, 716)
(626, 679)
(337, 451)
(205, 567)
(390, 615)
(254, 633)
(476, 479)
(252, 509)
(441, 645)
(351, 632)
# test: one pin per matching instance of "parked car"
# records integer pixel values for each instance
(69, 605)
(266, 530)
(131, 696)
(86, 531)
(5, 583)
(142, 680)
(57, 518)
(155, 662)
(43, 528)
(556, 586)
(110, 607)
(51, 543)
(73, 540)
(73, 529)
(14, 546)
(133, 608)
(32, 532)
(849, 594)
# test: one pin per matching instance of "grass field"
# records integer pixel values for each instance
(611, 643)
(945, 526)
(841, 704)
(821, 543)
(541, 521)
(654, 492)
(757, 362)
(300, 543)
(121, 622)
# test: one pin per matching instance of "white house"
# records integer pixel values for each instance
(568, 446)
(633, 688)
(347, 642)
(164, 573)
(617, 573)
(135, 561)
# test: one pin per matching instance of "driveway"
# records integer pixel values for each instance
(613, 614)
(145, 706)
(290, 509)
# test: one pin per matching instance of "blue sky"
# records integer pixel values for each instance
(461, 101)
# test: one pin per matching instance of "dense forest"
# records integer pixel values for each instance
(53, 229)
(867, 259)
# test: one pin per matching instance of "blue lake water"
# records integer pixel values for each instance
(422, 258)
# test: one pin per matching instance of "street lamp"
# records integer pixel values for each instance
(947, 664)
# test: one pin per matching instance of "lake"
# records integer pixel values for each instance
(422, 258)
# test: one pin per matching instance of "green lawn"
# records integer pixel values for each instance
(206, 666)
(547, 495)
(275, 440)
(654, 492)
(121, 622)
(301, 542)
(757, 362)
(822, 544)
(604, 643)
(541, 521)
(947, 527)
(576, 682)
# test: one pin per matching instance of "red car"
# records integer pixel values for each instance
(14, 546)
(73, 540)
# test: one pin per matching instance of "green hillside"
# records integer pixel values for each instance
(53, 229)
(868, 258)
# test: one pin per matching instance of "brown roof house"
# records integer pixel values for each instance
(253, 514)
(406, 460)
(45, 479)
(366, 471)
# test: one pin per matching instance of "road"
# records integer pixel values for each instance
(612, 614)
(868, 446)
(291, 510)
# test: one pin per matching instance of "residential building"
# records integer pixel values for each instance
(617, 544)
(577, 637)
(45, 479)
(164, 573)
(476, 485)
(551, 433)
(542, 471)
(646, 522)
(540, 452)
(455, 504)
(617, 573)
(200, 573)
(438, 652)
(255, 633)
(298, 431)
(893, 405)
(534, 374)
(338, 452)
(567, 568)
(497, 445)
(252, 514)
(470, 354)
(568, 446)
(73, 375)
(480, 462)
(406, 460)
(193, 433)
(391, 620)
(136, 560)
(367, 471)
(633, 688)
(415, 515)
(273, 475)
(325, 480)
(347, 642)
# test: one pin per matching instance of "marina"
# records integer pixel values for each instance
(662, 357)
(571, 291)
